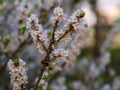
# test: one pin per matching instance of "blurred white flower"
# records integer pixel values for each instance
(105, 59)
(59, 34)
(59, 15)
(116, 83)
(106, 87)
(17, 73)
(94, 71)
(60, 52)
(38, 34)
(32, 21)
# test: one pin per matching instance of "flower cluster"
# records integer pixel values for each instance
(32, 22)
(18, 73)
(75, 20)
(72, 27)
(60, 53)
(39, 36)
(105, 58)
(59, 34)
(48, 45)
(59, 15)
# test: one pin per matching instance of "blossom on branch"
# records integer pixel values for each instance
(59, 14)
(17, 72)
(60, 52)
(38, 34)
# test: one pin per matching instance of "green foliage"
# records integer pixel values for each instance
(40, 87)
(51, 67)
(50, 88)
(6, 40)
(85, 54)
(82, 14)
(42, 1)
(36, 6)
(115, 55)
(100, 81)
(24, 86)
(78, 3)
(30, 14)
(1, 1)
(46, 78)
(2, 12)
(23, 29)
(16, 62)
(49, 34)
(57, 43)
(69, 80)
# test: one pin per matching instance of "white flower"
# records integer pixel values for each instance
(105, 59)
(45, 73)
(59, 34)
(72, 19)
(106, 87)
(43, 37)
(75, 19)
(116, 83)
(40, 38)
(59, 85)
(94, 71)
(40, 29)
(76, 16)
(59, 15)
(60, 52)
(32, 21)
(18, 73)
(58, 11)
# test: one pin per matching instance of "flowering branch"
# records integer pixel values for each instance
(47, 46)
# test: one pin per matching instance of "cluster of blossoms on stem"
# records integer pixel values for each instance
(74, 24)
(59, 34)
(59, 15)
(38, 34)
(75, 20)
(47, 45)
(17, 73)
(60, 52)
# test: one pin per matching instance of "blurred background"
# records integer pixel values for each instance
(98, 65)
